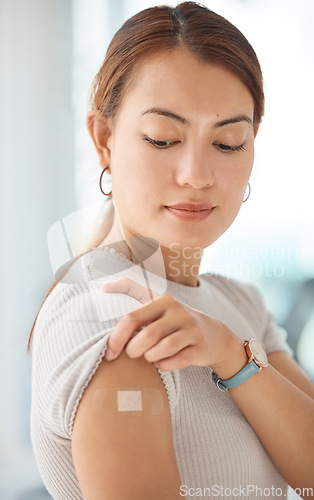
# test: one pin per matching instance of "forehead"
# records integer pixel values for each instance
(182, 82)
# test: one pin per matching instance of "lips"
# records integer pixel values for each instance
(190, 211)
(191, 207)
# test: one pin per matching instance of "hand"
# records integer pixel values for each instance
(172, 335)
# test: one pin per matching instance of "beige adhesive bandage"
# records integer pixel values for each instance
(147, 400)
(130, 401)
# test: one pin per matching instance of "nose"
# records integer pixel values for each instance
(195, 169)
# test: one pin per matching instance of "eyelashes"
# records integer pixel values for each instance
(160, 144)
(224, 148)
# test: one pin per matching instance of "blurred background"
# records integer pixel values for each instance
(50, 52)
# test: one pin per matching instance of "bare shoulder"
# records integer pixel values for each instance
(123, 430)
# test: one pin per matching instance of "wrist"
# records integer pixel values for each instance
(256, 361)
(234, 360)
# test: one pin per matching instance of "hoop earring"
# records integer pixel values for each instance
(248, 194)
(102, 173)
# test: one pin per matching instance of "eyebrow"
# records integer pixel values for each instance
(174, 116)
(164, 112)
(234, 119)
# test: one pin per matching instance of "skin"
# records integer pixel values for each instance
(195, 168)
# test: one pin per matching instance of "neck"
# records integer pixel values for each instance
(182, 264)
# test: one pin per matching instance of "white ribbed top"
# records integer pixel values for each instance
(214, 444)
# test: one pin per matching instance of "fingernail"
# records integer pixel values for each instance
(109, 355)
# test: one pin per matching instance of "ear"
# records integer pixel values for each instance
(99, 127)
(256, 127)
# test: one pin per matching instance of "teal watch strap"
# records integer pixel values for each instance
(238, 379)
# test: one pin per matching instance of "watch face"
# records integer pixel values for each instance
(258, 353)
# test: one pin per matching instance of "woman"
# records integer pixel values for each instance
(174, 112)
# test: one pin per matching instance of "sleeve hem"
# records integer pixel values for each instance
(92, 373)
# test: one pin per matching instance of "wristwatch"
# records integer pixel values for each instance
(257, 359)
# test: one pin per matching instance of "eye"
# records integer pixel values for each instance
(159, 144)
(227, 149)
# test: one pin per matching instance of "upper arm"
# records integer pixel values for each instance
(123, 455)
(288, 367)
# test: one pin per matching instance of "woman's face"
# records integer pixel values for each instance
(183, 134)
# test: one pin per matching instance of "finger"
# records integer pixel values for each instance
(131, 288)
(168, 346)
(152, 335)
(180, 360)
(131, 322)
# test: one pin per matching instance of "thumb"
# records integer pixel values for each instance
(131, 288)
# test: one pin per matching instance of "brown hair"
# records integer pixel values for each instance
(207, 35)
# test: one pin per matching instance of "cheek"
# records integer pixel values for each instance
(135, 183)
(243, 166)
(236, 177)
(139, 170)
(233, 180)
